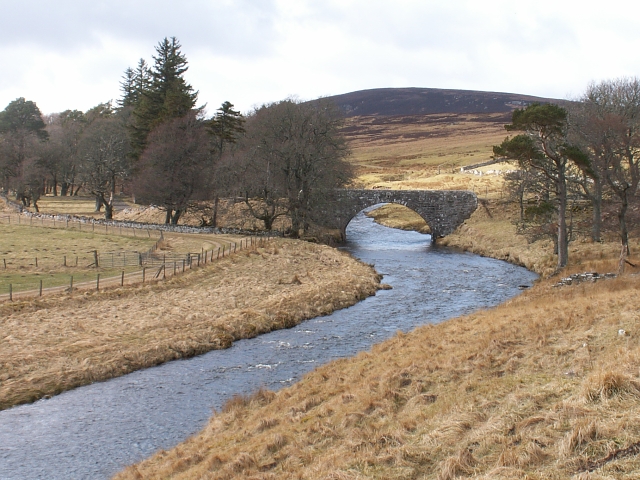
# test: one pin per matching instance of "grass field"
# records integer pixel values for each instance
(545, 386)
(29, 255)
(81, 205)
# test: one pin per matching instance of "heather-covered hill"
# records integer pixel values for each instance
(427, 101)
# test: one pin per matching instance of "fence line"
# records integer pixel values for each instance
(152, 273)
(82, 224)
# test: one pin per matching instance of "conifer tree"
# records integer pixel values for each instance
(163, 96)
(226, 126)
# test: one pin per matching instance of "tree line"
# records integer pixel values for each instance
(584, 154)
(282, 159)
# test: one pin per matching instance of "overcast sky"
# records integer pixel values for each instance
(71, 54)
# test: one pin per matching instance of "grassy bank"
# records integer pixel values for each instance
(54, 344)
(536, 388)
(545, 386)
(490, 232)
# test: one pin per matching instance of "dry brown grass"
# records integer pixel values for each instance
(54, 344)
(541, 387)
(407, 152)
(398, 216)
(531, 389)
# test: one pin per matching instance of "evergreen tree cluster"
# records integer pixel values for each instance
(157, 94)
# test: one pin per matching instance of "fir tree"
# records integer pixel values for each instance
(167, 95)
(226, 126)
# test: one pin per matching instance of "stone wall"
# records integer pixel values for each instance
(443, 210)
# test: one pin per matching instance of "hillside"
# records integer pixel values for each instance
(428, 101)
(403, 137)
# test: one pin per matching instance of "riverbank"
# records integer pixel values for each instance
(544, 386)
(490, 232)
(54, 344)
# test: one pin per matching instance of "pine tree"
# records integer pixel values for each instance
(128, 88)
(226, 126)
(164, 96)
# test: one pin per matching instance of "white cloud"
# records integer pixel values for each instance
(71, 54)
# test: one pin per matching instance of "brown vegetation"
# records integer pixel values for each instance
(535, 388)
(57, 343)
(544, 386)
(408, 151)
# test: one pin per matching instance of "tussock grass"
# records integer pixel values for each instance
(56, 343)
(540, 387)
(511, 392)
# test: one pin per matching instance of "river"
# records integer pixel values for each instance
(92, 432)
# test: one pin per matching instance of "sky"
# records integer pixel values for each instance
(71, 54)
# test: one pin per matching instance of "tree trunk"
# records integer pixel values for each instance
(167, 218)
(622, 219)
(99, 203)
(175, 217)
(563, 241)
(596, 228)
(55, 186)
(108, 207)
(521, 203)
(214, 219)
(64, 188)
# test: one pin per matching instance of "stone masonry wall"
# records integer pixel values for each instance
(443, 210)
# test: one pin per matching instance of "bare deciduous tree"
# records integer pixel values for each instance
(294, 158)
(175, 168)
(612, 133)
(104, 152)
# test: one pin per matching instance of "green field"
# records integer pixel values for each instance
(29, 254)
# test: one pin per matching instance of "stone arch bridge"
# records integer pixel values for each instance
(443, 210)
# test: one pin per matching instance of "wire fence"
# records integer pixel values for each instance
(92, 258)
(161, 268)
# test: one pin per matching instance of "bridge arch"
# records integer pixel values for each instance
(443, 210)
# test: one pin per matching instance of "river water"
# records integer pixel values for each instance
(96, 430)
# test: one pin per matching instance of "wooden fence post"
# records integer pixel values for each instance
(65, 260)
(98, 282)
(122, 279)
(11, 292)
(40, 287)
(95, 258)
(36, 262)
(144, 269)
(71, 284)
